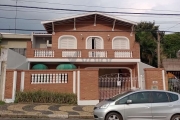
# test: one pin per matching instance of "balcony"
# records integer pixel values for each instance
(83, 53)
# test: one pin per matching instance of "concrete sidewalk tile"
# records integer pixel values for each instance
(16, 107)
(57, 116)
(88, 108)
(41, 107)
(82, 116)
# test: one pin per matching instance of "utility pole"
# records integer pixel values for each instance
(158, 50)
(16, 16)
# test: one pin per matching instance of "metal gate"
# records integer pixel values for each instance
(115, 83)
(174, 81)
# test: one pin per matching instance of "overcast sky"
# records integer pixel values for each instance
(168, 23)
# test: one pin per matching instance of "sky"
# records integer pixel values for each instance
(165, 23)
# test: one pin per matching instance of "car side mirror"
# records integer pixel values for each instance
(129, 101)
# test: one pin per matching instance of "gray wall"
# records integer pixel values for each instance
(142, 66)
(15, 60)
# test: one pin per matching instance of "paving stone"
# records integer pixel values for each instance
(54, 107)
(78, 108)
(29, 107)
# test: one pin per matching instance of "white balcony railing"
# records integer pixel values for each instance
(71, 53)
(44, 53)
(98, 54)
(49, 78)
(123, 54)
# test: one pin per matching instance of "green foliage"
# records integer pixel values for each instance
(2, 102)
(146, 36)
(46, 97)
(171, 44)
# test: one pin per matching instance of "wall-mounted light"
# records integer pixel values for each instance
(108, 37)
(82, 38)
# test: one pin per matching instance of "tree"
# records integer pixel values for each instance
(146, 35)
(171, 44)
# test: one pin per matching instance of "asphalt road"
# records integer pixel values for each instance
(40, 119)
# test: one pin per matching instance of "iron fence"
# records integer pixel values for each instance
(110, 86)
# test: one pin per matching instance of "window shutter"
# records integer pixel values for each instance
(98, 43)
(67, 43)
(89, 43)
(120, 43)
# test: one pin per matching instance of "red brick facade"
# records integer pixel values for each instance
(154, 78)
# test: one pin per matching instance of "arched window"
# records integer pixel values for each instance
(67, 42)
(120, 43)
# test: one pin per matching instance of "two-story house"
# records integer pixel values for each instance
(93, 55)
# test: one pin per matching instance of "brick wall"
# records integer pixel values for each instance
(57, 87)
(18, 82)
(9, 84)
(154, 74)
(89, 89)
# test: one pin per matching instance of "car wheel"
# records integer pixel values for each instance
(114, 116)
(176, 117)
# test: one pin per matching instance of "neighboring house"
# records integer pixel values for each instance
(15, 42)
(93, 55)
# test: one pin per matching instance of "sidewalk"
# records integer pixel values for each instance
(45, 111)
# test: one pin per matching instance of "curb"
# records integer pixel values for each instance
(46, 116)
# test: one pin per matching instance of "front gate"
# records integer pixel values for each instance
(174, 81)
(115, 83)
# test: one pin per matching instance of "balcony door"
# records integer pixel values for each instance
(95, 43)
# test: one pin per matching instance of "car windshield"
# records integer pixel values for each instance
(118, 96)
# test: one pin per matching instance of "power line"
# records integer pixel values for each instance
(32, 7)
(33, 19)
(94, 6)
(173, 26)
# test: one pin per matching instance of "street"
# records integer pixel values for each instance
(41, 119)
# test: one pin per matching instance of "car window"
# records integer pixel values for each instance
(159, 97)
(118, 96)
(173, 97)
(140, 97)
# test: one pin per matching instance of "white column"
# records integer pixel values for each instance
(164, 81)
(22, 81)
(3, 78)
(14, 85)
(131, 79)
(138, 76)
(78, 87)
(74, 81)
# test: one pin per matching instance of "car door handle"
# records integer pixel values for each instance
(147, 106)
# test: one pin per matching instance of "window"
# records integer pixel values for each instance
(173, 97)
(120, 43)
(21, 51)
(67, 42)
(140, 97)
(160, 97)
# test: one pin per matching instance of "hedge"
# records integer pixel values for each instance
(45, 97)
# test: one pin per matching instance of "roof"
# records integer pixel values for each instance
(15, 36)
(48, 24)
